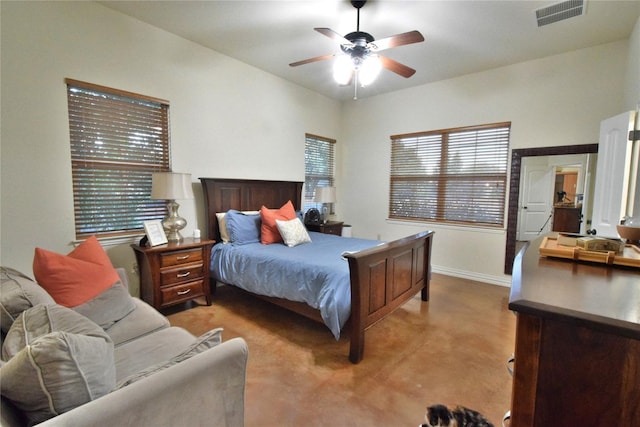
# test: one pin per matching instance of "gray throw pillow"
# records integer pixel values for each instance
(17, 293)
(107, 308)
(57, 372)
(43, 319)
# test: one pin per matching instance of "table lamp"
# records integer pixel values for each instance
(171, 186)
(325, 195)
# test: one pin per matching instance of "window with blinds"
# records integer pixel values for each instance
(117, 140)
(319, 166)
(453, 176)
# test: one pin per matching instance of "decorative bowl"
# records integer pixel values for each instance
(629, 233)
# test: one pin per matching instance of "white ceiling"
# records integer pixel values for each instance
(461, 37)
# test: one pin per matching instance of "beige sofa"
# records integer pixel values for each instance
(164, 376)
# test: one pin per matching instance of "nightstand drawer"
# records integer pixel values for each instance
(179, 275)
(180, 257)
(179, 293)
(335, 230)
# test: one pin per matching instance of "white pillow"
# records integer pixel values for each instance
(222, 224)
(293, 232)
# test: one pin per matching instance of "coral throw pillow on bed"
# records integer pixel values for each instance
(75, 278)
(269, 229)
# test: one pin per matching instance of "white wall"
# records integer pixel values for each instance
(231, 120)
(558, 100)
(632, 80)
(227, 119)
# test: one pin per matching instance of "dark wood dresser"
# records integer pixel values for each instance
(567, 219)
(577, 355)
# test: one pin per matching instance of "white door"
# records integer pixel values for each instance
(536, 198)
(612, 174)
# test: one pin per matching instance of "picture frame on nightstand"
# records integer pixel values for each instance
(155, 232)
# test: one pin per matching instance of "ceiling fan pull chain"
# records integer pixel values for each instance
(355, 86)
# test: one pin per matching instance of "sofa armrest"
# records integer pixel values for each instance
(207, 389)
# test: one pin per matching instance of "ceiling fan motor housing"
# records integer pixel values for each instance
(360, 44)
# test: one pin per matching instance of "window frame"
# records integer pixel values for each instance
(450, 177)
(313, 178)
(108, 147)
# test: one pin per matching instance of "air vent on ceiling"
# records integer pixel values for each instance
(560, 11)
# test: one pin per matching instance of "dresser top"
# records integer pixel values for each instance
(596, 295)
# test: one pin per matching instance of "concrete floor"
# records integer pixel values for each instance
(451, 350)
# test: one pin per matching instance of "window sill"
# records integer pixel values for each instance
(114, 241)
(446, 226)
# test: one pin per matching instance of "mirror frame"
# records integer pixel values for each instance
(514, 189)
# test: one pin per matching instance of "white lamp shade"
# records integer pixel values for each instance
(326, 194)
(342, 69)
(369, 69)
(171, 186)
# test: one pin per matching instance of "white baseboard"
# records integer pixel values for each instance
(471, 275)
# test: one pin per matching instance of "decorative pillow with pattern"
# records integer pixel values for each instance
(293, 232)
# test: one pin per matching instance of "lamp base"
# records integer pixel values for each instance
(325, 213)
(174, 223)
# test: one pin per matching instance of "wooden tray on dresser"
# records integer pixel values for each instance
(630, 257)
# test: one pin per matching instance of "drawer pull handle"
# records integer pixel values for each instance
(180, 258)
(181, 275)
(184, 292)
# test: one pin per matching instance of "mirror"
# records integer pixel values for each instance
(514, 189)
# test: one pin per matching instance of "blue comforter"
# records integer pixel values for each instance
(315, 273)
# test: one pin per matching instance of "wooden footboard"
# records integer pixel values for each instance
(382, 279)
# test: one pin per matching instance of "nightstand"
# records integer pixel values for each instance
(330, 227)
(175, 272)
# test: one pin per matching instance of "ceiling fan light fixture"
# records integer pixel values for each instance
(342, 69)
(369, 69)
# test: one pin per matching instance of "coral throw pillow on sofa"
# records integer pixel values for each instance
(75, 278)
(269, 229)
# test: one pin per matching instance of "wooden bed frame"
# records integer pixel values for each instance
(382, 278)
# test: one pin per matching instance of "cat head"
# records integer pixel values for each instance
(439, 416)
(443, 416)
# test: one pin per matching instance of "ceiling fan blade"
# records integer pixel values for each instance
(310, 60)
(397, 40)
(333, 35)
(396, 67)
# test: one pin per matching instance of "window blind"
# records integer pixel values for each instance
(117, 140)
(455, 176)
(319, 166)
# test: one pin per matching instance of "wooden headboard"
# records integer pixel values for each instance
(221, 194)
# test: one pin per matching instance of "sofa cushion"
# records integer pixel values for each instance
(86, 281)
(157, 347)
(143, 320)
(43, 319)
(18, 293)
(75, 278)
(203, 342)
(57, 372)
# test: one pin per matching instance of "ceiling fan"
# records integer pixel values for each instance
(359, 56)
